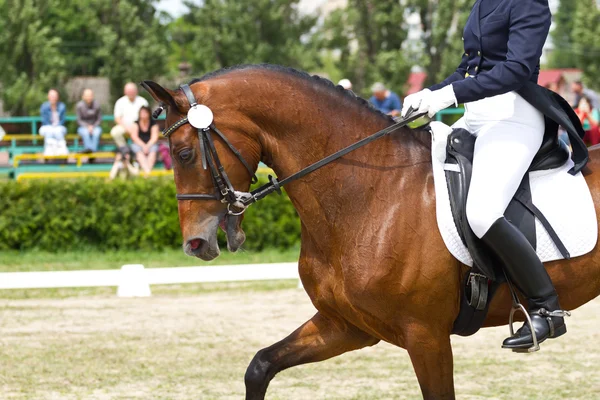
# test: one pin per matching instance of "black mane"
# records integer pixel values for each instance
(315, 79)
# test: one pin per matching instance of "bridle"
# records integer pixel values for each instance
(238, 202)
(210, 159)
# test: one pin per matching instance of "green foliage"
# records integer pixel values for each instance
(442, 24)
(370, 39)
(128, 215)
(367, 37)
(132, 31)
(223, 33)
(43, 42)
(586, 30)
(562, 35)
(30, 61)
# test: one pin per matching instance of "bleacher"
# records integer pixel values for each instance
(21, 155)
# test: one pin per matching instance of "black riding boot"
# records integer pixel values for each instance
(528, 273)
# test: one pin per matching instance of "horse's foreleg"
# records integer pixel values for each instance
(318, 339)
(431, 356)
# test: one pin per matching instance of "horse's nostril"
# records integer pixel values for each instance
(195, 243)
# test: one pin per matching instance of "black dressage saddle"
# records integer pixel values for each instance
(486, 273)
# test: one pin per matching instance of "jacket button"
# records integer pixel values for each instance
(479, 53)
(467, 54)
(476, 68)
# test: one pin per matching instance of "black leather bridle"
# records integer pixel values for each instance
(238, 202)
(210, 159)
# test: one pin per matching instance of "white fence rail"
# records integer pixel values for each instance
(134, 280)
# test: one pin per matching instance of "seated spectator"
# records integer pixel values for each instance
(580, 91)
(89, 117)
(126, 113)
(53, 125)
(385, 100)
(589, 118)
(144, 135)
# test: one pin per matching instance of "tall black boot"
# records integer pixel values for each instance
(528, 273)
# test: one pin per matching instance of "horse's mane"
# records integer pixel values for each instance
(313, 79)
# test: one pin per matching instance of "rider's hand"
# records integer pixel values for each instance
(440, 100)
(415, 101)
(431, 102)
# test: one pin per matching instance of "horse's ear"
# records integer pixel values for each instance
(160, 94)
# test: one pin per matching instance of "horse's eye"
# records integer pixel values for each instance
(185, 154)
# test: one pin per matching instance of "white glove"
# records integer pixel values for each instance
(414, 101)
(432, 102)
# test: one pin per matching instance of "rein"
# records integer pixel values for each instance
(238, 202)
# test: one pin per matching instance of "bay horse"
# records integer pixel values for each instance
(372, 259)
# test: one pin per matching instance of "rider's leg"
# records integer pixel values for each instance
(503, 153)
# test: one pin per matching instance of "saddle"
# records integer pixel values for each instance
(487, 273)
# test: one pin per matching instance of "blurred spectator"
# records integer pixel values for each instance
(385, 100)
(346, 84)
(580, 91)
(2, 133)
(144, 135)
(126, 113)
(122, 166)
(89, 117)
(53, 125)
(589, 119)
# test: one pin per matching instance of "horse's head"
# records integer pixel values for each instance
(200, 218)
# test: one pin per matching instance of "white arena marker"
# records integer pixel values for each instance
(133, 282)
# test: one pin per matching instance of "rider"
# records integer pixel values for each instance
(503, 44)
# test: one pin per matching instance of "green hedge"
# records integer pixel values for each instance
(139, 214)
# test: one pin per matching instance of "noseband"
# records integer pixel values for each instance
(238, 202)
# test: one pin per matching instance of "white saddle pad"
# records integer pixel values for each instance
(554, 192)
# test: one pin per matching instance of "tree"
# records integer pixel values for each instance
(133, 43)
(44, 42)
(442, 25)
(222, 33)
(31, 62)
(365, 39)
(562, 35)
(371, 40)
(586, 29)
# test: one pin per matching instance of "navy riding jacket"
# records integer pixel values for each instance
(503, 42)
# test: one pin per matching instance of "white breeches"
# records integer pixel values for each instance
(509, 134)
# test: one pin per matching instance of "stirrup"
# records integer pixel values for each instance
(519, 307)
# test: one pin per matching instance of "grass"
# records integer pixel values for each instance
(15, 261)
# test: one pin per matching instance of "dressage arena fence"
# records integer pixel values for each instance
(133, 280)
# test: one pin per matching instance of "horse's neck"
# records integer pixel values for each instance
(325, 198)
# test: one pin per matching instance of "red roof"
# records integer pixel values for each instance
(553, 75)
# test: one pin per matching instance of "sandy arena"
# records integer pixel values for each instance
(198, 346)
